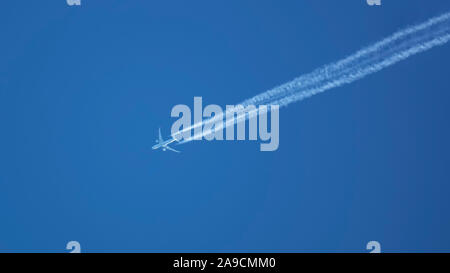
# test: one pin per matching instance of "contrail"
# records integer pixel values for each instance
(391, 50)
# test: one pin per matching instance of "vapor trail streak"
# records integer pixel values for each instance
(395, 48)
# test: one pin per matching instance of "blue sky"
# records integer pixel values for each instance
(83, 91)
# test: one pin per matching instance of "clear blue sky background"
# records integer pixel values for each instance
(83, 91)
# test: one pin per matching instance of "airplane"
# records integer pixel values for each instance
(164, 144)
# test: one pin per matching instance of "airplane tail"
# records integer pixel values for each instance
(160, 139)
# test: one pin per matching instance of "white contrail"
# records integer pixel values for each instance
(397, 47)
(388, 47)
(361, 72)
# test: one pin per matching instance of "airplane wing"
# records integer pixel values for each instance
(171, 149)
(160, 137)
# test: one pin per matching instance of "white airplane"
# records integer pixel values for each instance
(164, 144)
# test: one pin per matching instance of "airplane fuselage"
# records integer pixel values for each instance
(163, 144)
